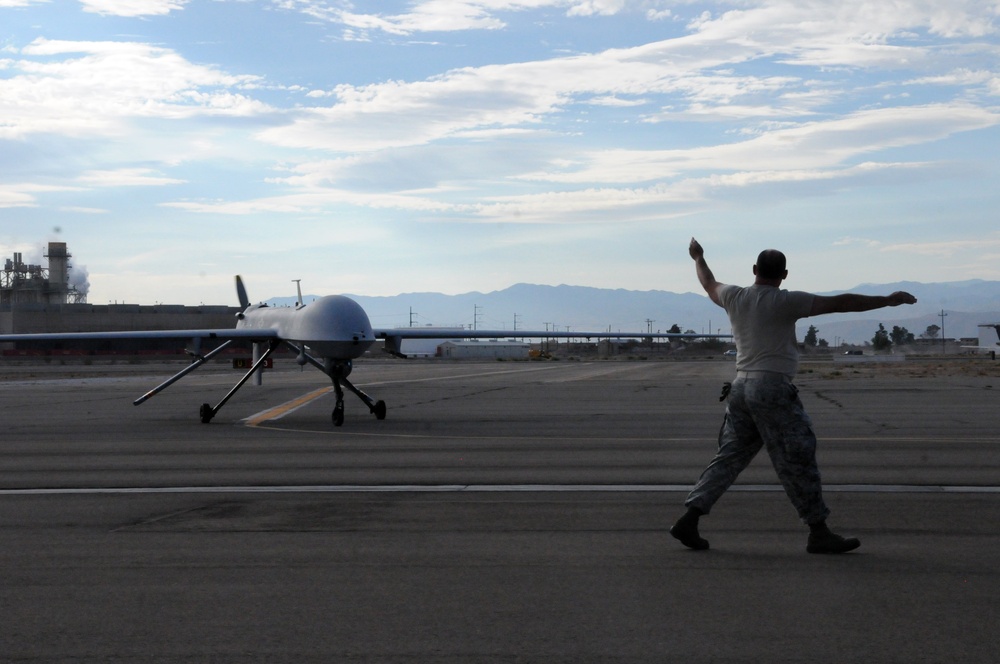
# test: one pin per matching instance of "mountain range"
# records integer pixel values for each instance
(965, 305)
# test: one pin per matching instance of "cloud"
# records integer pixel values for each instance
(76, 209)
(985, 80)
(758, 101)
(818, 144)
(78, 88)
(596, 7)
(312, 202)
(126, 177)
(811, 31)
(944, 248)
(11, 198)
(432, 16)
(459, 15)
(857, 241)
(663, 200)
(611, 100)
(636, 184)
(581, 207)
(23, 194)
(850, 32)
(132, 8)
(398, 113)
(710, 73)
(819, 125)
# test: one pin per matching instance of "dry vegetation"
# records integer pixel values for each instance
(911, 368)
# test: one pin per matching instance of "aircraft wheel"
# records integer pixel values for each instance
(206, 413)
(338, 414)
(379, 410)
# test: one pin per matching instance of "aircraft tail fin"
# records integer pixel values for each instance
(241, 292)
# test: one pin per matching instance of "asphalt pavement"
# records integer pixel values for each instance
(502, 512)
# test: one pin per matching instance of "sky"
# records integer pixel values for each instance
(451, 146)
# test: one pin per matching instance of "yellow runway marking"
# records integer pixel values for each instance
(278, 412)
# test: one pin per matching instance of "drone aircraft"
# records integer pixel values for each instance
(328, 333)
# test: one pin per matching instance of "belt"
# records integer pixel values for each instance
(761, 374)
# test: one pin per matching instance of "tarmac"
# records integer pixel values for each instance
(502, 512)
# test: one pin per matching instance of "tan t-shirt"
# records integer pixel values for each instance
(763, 320)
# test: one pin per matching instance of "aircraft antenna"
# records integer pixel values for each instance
(298, 290)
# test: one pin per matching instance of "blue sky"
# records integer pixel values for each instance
(387, 147)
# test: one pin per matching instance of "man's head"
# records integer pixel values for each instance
(770, 265)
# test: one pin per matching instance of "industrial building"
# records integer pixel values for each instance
(483, 349)
(21, 283)
(34, 299)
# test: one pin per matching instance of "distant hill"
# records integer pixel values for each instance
(966, 303)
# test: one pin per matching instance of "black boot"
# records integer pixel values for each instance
(686, 530)
(823, 540)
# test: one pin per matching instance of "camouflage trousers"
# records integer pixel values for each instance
(764, 410)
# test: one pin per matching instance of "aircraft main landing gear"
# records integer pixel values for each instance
(337, 370)
(207, 412)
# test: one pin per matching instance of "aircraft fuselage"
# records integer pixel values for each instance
(333, 327)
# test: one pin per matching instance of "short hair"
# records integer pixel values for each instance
(771, 264)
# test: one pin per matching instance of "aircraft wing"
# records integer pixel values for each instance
(234, 333)
(439, 333)
(394, 337)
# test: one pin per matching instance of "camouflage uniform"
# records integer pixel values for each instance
(764, 410)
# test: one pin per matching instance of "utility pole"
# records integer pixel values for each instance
(944, 348)
(412, 314)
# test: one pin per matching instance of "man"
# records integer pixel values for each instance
(764, 409)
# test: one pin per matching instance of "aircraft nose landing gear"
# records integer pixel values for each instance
(339, 372)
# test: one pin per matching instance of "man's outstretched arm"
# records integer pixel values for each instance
(849, 302)
(705, 275)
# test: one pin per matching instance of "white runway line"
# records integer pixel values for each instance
(488, 488)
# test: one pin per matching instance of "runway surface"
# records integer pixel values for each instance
(503, 512)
